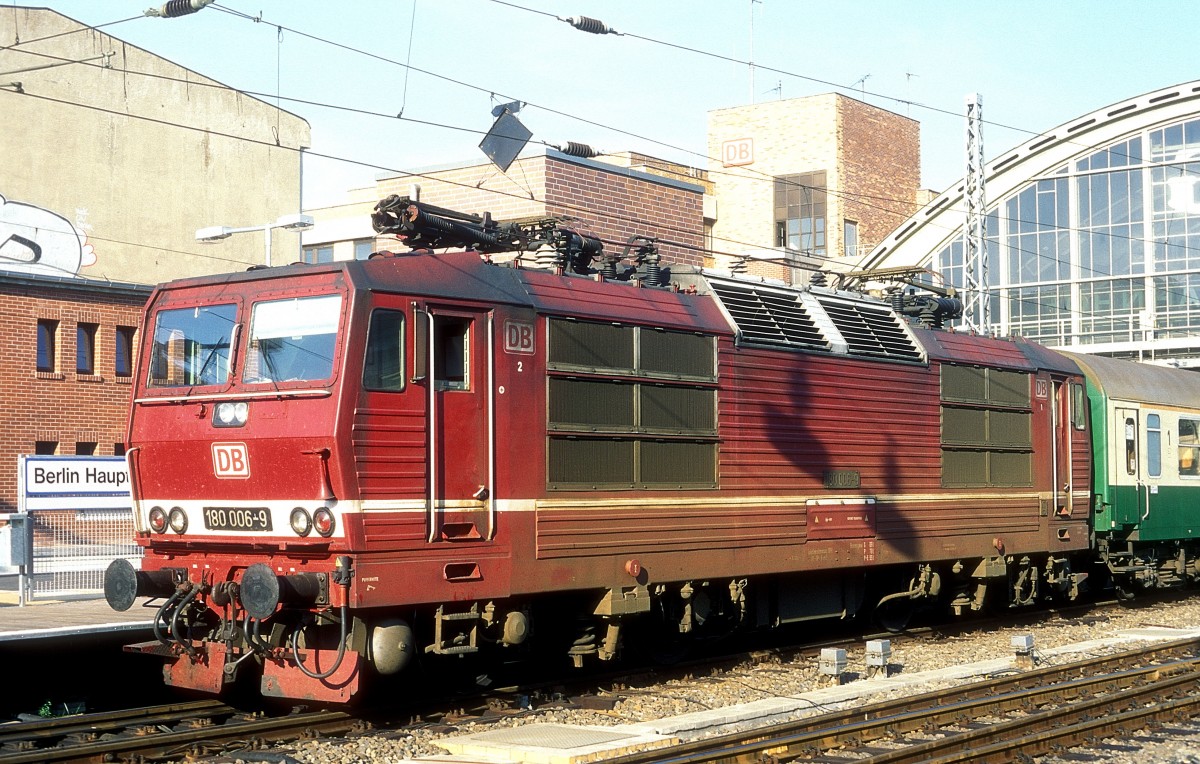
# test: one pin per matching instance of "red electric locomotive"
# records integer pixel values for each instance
(339, 469)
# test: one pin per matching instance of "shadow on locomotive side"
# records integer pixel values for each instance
(342, 470)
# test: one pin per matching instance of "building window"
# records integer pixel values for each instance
(850, 238)
(85, 349)
(364, 248)
(85, 448)
(47, 336)
(118, 449)
(800, 212)
(123, 359)
(45, 447)
(318, 254)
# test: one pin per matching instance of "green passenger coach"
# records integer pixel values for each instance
(1146, 472)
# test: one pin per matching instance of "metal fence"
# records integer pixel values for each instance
(64, 552)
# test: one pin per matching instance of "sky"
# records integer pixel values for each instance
(341, 65)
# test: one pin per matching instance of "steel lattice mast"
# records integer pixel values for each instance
(975, 264)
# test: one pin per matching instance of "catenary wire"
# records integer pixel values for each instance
(575, 208)
(678, 244)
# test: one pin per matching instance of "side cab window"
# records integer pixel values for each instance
(383, 367)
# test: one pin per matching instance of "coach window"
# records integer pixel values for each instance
(383, 368)
(1153, 445)
(452, 352)
(1189, 447)
(1130, 446)
(1078, 407)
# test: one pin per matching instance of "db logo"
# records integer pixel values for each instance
(230, 460)
(737, 152)
(518, 337)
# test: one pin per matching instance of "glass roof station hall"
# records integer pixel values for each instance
(1092, 232)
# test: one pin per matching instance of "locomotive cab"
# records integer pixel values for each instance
(233, 450)
(293, 442)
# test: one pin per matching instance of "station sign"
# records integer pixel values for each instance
(73, 482)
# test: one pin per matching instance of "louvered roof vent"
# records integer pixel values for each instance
(815, 319)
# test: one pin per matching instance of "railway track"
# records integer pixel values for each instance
(209, 727)
(173, 731)
(1003, 719)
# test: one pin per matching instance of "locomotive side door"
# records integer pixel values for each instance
(1064, 479)
(461, 436)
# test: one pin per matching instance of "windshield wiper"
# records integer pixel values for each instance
(209, 359)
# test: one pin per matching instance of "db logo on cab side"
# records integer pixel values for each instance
(230, 460)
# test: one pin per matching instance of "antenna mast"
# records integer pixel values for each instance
(751, 62)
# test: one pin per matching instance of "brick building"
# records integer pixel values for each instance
(810, 178)
(598, 198)
(67, 353)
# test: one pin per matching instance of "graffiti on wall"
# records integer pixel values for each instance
(36, 240)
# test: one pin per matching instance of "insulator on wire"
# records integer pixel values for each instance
(175, 8)
(590, 25)
(574, 149)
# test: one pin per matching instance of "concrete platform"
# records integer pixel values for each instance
(48, 619)
(551, 744)
(566, 744)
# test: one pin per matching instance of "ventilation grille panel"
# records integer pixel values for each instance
(769, 317)
(872, 330)
(816, 320)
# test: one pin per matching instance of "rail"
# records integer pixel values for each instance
(1059, 705)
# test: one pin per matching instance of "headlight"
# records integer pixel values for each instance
(177, 520)
(301, 521)
(323, 521)
(158, 520)
(231, 414)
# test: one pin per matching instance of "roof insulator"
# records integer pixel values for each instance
(574, 149)
(175, 8)
(590, 25)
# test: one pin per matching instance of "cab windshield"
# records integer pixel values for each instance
(289, 340)
(192, 346)
(292, 340)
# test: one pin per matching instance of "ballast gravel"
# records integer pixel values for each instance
(759, 680)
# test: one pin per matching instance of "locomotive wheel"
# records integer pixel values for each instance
(667, 649)
(894, 616)
(1123, 591)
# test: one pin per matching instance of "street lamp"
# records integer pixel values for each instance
(295, 222)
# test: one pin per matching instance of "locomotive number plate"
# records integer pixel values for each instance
(237, 518)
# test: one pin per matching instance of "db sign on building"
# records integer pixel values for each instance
(737, 152)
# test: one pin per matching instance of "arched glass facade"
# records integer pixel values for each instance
(1101, 253)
